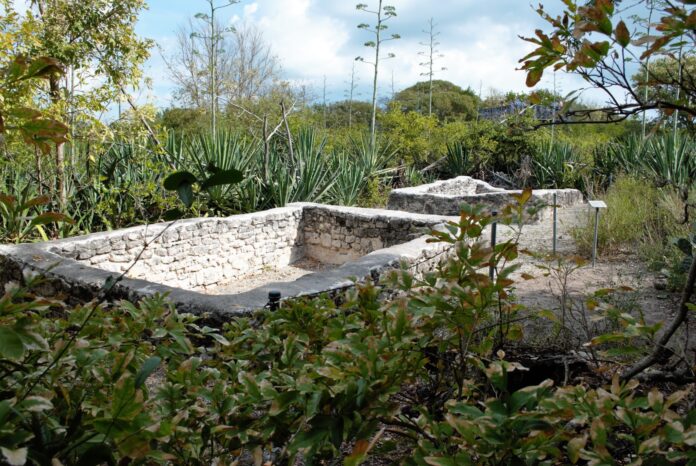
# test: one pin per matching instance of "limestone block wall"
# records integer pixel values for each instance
(185, 259)
(335, 235)
(460, 186)
(195, 254)
(446, 197)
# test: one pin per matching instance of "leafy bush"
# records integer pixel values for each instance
(542, 425)
(315, 380)
(23, 215)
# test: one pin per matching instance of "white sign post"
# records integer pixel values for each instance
(596, 205)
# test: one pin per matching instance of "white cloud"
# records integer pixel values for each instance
(317, 38)
(249, 10)
(476, 53)
(309, 43)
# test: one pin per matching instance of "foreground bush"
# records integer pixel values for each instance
(419, 379)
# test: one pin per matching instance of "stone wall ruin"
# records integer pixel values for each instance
(193, 260)
(446, 197)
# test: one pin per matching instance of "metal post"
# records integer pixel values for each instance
(596, 235)
(494, 238)
(596, 205)
(555, 221)
(273, 300)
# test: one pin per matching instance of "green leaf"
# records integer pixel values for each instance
(433, 461)
(43, 67)
(36, 404)
(148, 368)
(623, 37)
(11, 346)
(173, 214)
(186, 194)
(605, 25)
(50, 217)
(223, 177)
(574, 447)
(177, 179)
(5, 408)
(534, 76)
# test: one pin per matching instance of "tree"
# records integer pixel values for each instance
(185, 120)
(382, 14)
(35, 127)
(212, 38)
(245, 67)
(449, 101)
(256, 68)
(594, 42)
(347, 114)
(96, 43)
(409, 133)
(431, 53)
(659, 82)
(351, 93)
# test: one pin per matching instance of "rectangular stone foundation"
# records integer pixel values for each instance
(447, 197)
(195, 260)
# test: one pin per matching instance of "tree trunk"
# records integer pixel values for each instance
(373, 123)
(54, 85)
(660, 349)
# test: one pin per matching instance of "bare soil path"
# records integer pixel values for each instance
(544, 291)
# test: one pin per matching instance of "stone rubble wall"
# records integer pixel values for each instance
(196, 254)
(446, 198)
(186, 257)
(336, 235)
(460, 186)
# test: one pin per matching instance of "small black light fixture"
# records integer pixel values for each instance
(274, 300)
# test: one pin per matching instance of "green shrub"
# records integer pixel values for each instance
(316, 381)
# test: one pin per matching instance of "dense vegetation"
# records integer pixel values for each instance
(422, 379)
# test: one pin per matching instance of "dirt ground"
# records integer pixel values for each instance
(634, 284)
(270, 275)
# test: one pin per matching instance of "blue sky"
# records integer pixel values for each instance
(317, 38)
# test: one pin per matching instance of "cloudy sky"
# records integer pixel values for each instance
(319, 38)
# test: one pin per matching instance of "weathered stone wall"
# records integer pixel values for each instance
(446, 197)
(196, 254)
(460, 186)
(335, 235)
(184, 258)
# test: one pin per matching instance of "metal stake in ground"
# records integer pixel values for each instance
(273, 300)
(555, 221)
(596, 205)
(494, 238)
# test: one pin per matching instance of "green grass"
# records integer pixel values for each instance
(640, 219)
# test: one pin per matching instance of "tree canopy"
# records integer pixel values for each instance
(450, 101)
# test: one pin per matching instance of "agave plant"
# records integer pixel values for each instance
(555, 165)
(350, 180)
(203, 156)
(355, 169)
(669, 160)
(458, 160)
(300, 175)
(374, 158)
